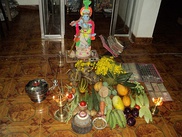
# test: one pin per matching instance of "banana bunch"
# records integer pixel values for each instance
(116, 117)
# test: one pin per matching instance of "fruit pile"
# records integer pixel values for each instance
(114, 97)
(124, 102)
(130, 115)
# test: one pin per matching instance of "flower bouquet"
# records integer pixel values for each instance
(111, 72)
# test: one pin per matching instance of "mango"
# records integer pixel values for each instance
(117, 102)
(122, 90)
(126, 101)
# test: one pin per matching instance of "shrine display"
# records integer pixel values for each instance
(100, 94)
(101, 91)
(111, 96)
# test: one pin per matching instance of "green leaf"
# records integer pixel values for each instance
(146, 100)
(148, 114)
(145, 112)
(109, 74)
(129, 84)
(141, 112)
(141, 99)
(137, 101)
(146, 119)
(124, 77)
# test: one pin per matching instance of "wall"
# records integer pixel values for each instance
(28, 2)
(122, 9)
(145, 16)
(123, 13)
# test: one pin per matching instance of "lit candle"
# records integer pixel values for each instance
(158, 101)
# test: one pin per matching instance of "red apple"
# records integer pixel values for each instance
(83, 103)
(70, 96)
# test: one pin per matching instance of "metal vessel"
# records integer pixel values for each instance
(37, 90)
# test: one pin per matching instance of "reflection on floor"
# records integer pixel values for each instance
(24, 56)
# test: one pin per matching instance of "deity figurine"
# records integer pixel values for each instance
(84, 31)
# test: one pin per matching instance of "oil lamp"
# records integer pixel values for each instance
(61, 100)
(158, 102)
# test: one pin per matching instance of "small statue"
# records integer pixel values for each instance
(84, 31)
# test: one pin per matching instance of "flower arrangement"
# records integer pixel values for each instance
(111, 71)
(106, 68)
(107, 64)
(81, 65)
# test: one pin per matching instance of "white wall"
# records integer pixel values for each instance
(145, 17)
(122, 9)
(124, 4)
(28, 2)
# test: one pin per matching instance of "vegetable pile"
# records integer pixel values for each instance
(119, 101)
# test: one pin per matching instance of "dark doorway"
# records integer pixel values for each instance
(167, 28)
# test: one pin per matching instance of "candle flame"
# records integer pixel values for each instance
(158, 101)
(67, 94)
(60, 99)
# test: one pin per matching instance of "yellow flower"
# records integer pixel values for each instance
(106, 64)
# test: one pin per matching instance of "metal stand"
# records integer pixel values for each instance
(61, 114)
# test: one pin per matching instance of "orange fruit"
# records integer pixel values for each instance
(122, 90)
(126, 101)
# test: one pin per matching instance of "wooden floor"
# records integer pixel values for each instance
(24, 56)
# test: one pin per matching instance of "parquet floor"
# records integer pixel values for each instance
(24, 56)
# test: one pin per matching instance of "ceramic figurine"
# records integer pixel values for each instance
(85, 28)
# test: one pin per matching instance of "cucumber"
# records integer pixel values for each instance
(90, 102)
(95, 101)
